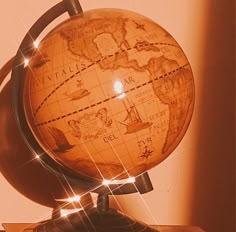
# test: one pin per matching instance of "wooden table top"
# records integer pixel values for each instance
(19, 227)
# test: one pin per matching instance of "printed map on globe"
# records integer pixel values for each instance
(108, 94)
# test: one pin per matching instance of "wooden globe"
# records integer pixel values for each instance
(108, 94)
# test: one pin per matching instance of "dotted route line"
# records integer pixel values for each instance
(113, 97)
(92, 64)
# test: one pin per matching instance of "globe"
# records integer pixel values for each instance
(108, 94)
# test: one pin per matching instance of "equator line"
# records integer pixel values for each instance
(113, 97)
(92, 64)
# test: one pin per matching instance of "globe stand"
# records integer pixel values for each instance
(99, 219)
(102, 218)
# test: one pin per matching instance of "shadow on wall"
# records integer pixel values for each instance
(20, 167)
(213, 183)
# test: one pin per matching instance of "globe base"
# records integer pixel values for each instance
(95, 220)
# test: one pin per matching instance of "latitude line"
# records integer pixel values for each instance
(92, 64)
(112, 97)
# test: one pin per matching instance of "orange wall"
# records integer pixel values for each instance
(196, 184)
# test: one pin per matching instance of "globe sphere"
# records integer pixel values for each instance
(108, 94)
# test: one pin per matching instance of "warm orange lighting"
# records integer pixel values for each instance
(65, 213)
(37, 157)
(36, 44)
(121, 96)
(118, 87)
(131, 180)
(26, 62)
(106, 182)
(76, 198)
(124, 181)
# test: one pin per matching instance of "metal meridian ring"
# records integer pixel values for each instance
(26, 49)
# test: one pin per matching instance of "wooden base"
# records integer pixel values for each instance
(110, 220)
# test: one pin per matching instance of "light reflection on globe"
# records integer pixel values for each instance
(108, 94)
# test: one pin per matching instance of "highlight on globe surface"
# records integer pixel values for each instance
(108, 94)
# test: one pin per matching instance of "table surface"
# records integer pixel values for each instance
(19, 227)
(173, 228)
